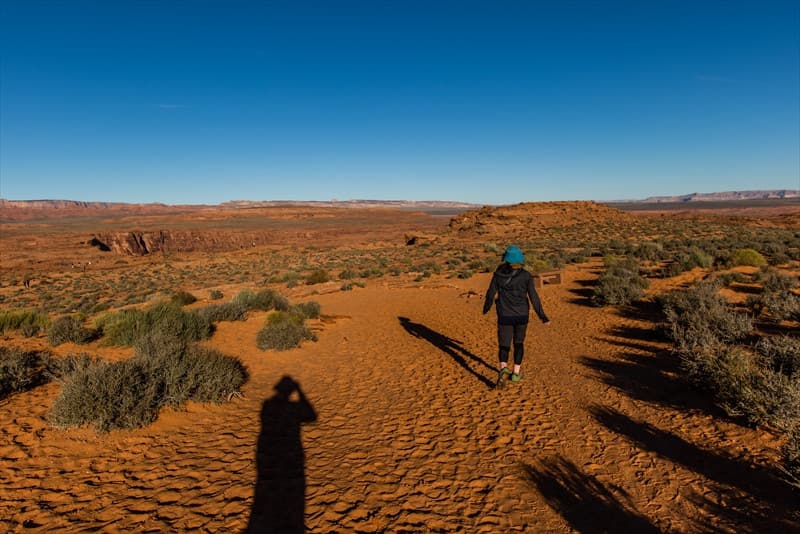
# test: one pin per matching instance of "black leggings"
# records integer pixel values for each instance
(506, 333)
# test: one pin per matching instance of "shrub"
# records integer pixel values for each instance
(228, 311)
(128, 394)
(308, 310)
(748, 256)
(189, 372)
(128, 326)
(264, 300)
(68, 329)
(744, 389)
(283, 331)
(619, 284)
(781, 354)
(215, 294)
(775, 282)
(700, 317)
(649, 251)
(347, 274)
(781, 306)
(21, 370)
(18, 319)
(108, 395)
(183, 298)
(318, 276)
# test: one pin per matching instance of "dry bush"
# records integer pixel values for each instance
(307, 310)
(20, 319)
(68, 329)
(215, 294)
(699, 317)
(183, 298)
(620, 283)
(128, 394)
(128, 326)
(782, 354)
(742, 387)
(318, 276)
(263, 300)
(21, 370)
(283, 331)
(228, 311)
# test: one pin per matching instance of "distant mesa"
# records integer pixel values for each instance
(726, 196)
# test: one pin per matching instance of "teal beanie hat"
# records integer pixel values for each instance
(513, 255)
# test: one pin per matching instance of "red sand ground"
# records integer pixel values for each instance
(408, 437)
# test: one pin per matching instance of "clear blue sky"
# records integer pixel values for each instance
(487, 102)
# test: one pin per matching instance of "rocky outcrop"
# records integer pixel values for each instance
(529, 217)
(133, 243)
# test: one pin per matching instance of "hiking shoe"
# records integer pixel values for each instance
(502, 376)
(516, 377)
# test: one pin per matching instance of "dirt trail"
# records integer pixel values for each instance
(409, 437)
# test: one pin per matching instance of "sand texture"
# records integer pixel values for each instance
(400, 431)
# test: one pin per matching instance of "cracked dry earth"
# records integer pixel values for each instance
(407, 436)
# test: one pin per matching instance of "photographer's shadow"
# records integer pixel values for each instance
(279, 502)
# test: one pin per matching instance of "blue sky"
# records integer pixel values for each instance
(486, 102)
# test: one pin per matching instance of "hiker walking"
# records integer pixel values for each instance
(513, 286)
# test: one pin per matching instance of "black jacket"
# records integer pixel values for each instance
(513, 288)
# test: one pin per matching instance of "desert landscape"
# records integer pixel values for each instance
(633, 415)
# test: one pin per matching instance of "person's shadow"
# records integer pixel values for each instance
(279, 502)
(451, 347)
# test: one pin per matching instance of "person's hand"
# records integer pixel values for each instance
(546, 323)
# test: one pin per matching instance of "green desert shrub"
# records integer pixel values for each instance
(227, 311)
(18, 319)
(748, 256)
(782, 354)
(264, 300)
(307, 310)
(215, 294)
(128, 394)
(779, 305)
(318, 276)
(21, 370)
(700, 317)
(166, 318)
(620, 283)
(68, 329)
(775, 282)
(743, 388)
(189, 371)
(183, 298)
(347, 274)
(283, 331)
(649, 251)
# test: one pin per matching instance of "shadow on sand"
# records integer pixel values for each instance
(583, 501)
(451, 347)
(279, 502)
(770, 504)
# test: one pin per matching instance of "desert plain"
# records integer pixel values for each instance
(398, 427)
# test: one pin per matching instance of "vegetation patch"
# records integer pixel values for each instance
(129, 394)
(22, 319)
(68, 329)
(283, 331)
(126, 327)
(757, 382)
(21, 370)
(620, 283)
